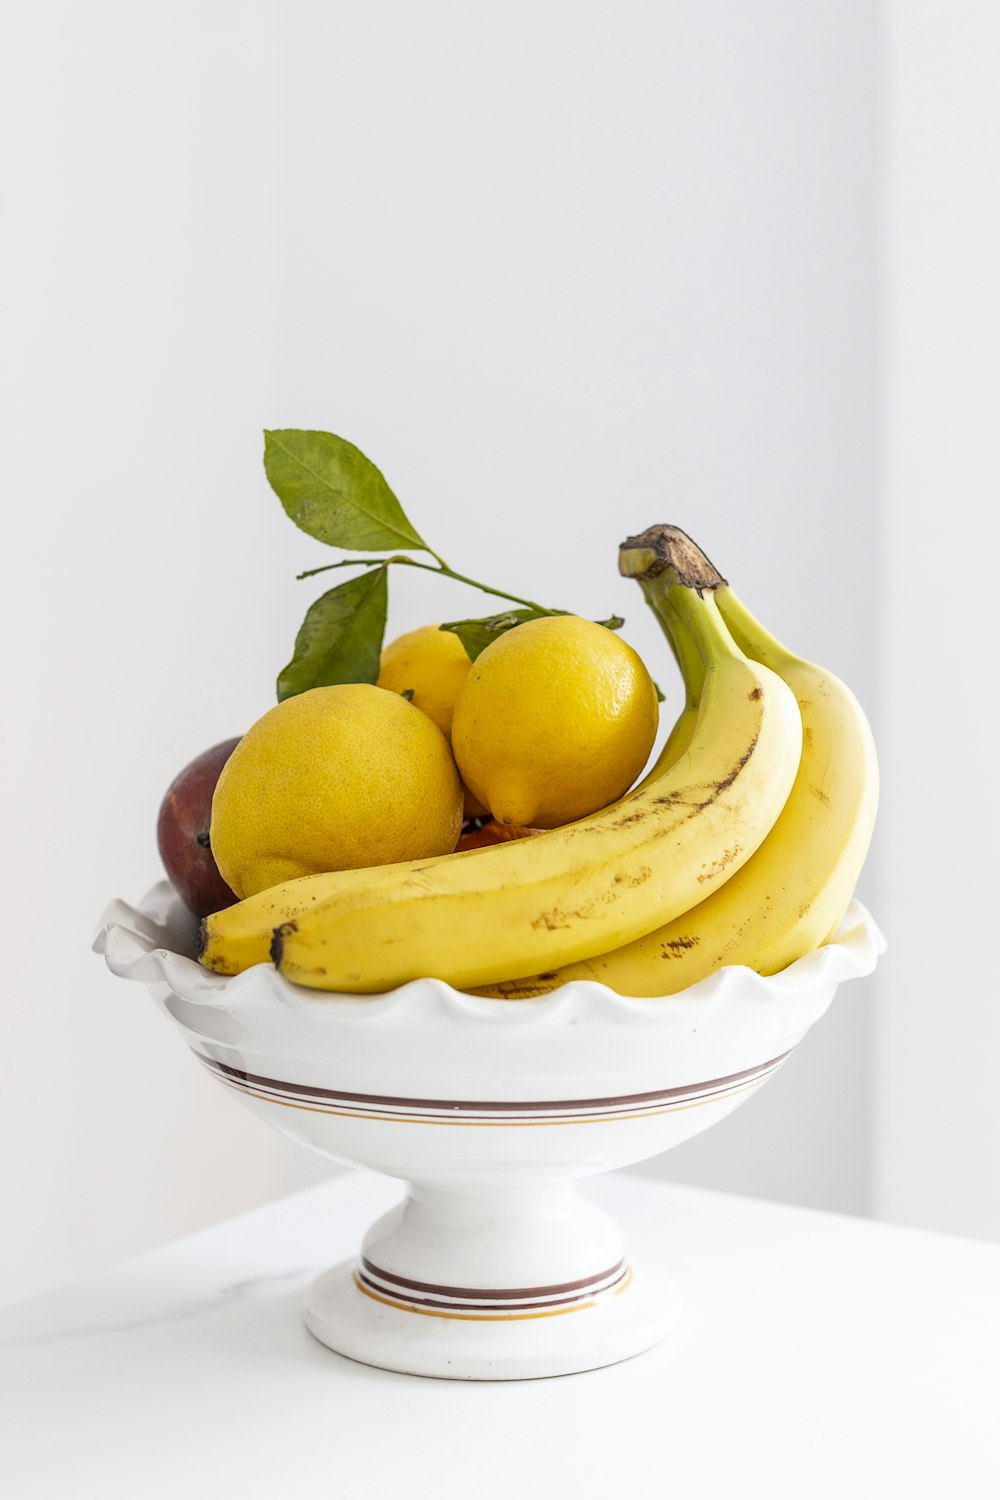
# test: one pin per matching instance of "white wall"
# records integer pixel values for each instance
(562, 270)
(937, 1117)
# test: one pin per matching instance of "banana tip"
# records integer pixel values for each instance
(663, 546)
(278, 940)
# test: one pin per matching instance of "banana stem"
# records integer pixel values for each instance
(689, 659)
(692, 624)
(690, 662)
(679, 584)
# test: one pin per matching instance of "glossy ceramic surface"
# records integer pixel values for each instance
(489, 1110)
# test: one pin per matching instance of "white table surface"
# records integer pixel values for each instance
(817, 1356)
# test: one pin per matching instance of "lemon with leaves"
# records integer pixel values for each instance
(555, 720)
(336, 778)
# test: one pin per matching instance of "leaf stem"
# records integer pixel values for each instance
(484, 588)
(443, 568)
(348, 562)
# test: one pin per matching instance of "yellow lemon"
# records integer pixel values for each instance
(555, 720)
(432, 664)
(337, 778)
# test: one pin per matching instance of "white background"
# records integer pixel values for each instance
(562, 270)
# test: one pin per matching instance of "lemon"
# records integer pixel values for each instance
(432, 664)
(555, 720)
(336, 778)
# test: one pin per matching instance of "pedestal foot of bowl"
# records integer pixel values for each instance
(500, 1285)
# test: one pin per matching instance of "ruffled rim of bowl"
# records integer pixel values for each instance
(134, 941)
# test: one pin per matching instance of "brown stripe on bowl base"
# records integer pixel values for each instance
(469, 1312)
(565, 1290)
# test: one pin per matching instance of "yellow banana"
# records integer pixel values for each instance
(597, 883)
(239, 936)
(791, 895)
(232, 940)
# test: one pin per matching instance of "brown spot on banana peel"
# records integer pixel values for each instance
(818, 791)
(676, 947)
(727, 781)
(278, 940)
(757, 693)
(552, 921)
(556, 918)
(714, 870)
(717, 787)
(688, 796)
(630, 818)
(513, 989)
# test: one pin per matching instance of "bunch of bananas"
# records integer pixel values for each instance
(741, 846)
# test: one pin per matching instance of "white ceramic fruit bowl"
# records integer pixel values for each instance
(493, 1267)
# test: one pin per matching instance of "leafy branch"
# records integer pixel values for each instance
(335, 494)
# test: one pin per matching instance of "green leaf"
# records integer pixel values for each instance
(661, 696)
(340, 639)
(476, 635)
(334, 493)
